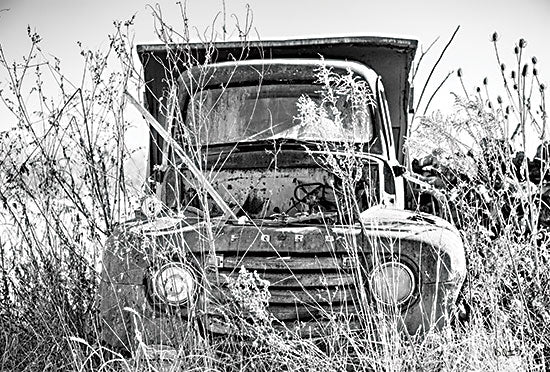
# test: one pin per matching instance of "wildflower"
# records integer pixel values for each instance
(535, 72)
(499, 100)
(502, 66)
(534, 60)
(485, 81)
(542, 87)
(494, 37)
(522, 43)
(459, 72)
(524, 71)
(478, 89)
(516, 50)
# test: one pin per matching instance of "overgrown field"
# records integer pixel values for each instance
(63, 190)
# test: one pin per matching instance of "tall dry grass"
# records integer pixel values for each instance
(63, 190)
(495, 184)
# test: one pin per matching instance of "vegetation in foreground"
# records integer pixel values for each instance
(63, 189)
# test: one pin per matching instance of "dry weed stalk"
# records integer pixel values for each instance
(498, 195)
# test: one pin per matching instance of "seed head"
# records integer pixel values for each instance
(522, 43)
(490, 105)
(485, 81)
(499, 100)
(478, 89)
(534, 60)
(515, 87)
(494, 37)
(542, 87)
(459, 72)
(513, 74)
(507, 110)
(516, 50)
(535, 72)
(524, 70)
(502, 67)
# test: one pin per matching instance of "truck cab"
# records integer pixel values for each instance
(283, 161)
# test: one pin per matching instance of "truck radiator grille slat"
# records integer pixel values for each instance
(283, 263)
(303, 312)
(300, 297)
(293, 280)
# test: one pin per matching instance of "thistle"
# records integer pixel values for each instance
(522, 43)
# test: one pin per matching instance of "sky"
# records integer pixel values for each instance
(61, 23)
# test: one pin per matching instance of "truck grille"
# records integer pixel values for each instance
(312, 273)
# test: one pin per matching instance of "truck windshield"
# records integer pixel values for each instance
(292, 111)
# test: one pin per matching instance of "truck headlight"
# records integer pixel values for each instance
(174, 284)
(391, 283)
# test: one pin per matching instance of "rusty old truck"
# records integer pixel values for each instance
(282, 161)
